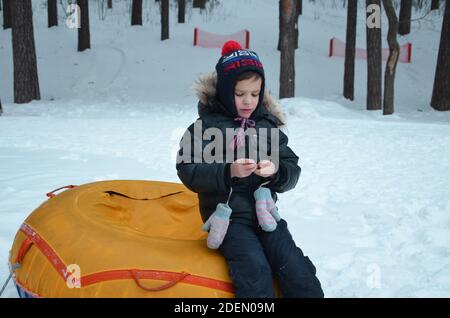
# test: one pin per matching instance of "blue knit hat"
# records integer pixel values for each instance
(233, 62)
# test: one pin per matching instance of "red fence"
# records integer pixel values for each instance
(337, 48)
(212, 40)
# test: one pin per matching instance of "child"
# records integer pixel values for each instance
(234, 97)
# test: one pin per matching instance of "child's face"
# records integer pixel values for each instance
(246, 96)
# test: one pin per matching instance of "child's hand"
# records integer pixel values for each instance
(265, 169)
(242, 168)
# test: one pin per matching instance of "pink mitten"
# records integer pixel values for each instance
(266, 210)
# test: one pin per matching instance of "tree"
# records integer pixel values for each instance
(350, 50)
(288, 16)
(435, 5)
(181, 11)
(136, 13)
(109, 4)
(84, 37)
(298, 9)
(26, 82)
(1, 109)
(6, 14)
(391, 64)
(199, 4)
(441, 92)
(405, 17)
(52, 11)
(164, 20)
(374, 69)
(280, 27)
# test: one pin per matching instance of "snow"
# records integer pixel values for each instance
(372, 208)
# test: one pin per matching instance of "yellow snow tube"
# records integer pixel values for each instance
(118, 239)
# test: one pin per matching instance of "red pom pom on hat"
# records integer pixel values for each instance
(230, 46)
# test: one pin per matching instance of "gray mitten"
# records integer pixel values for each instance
(217, 225)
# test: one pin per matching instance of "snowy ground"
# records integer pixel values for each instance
(372, 208)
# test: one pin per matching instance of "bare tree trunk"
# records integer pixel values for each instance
(181, 11)
(164, 20)
(350, 50)
(6, 14)
(136, 12)
(109, 4)
(84, 36)
(299, 12)
(26, 82)
(1, 108)
(199, 4)
(52, 11)
(405, 17)
(298, 9)
(391, 65)
(435, 5)
(374, 69)
(441, 90)
(280, 27)
(287, 46)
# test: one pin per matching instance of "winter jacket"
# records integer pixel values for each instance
(212, 181)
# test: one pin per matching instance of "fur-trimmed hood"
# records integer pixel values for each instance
(205, 89)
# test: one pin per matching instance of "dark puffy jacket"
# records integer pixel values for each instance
(212, 181)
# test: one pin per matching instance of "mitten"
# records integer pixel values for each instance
(217, 225)
(266, 210)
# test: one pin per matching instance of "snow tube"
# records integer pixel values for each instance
(117, 239)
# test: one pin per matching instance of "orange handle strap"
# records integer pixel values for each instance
(24, 248)
(181, 276)
(52, 193)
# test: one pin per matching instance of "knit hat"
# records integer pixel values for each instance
(233, 62)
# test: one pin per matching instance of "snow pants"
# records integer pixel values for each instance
(255, 257)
